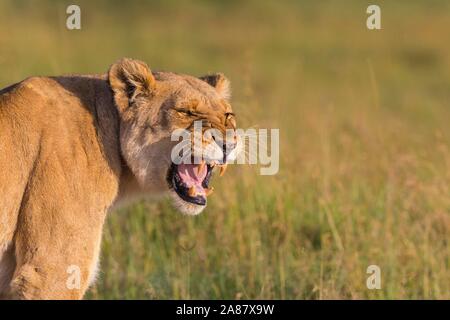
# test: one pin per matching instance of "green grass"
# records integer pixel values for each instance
(365, 144)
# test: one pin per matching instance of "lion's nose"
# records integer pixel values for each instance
(227, 148)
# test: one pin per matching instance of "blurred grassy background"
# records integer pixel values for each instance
(365, 144)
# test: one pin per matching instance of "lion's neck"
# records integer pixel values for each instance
(108, 121)
(129, 189)
(108, 124)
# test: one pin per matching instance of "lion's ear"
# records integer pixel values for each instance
(220, 83)
(129, 78)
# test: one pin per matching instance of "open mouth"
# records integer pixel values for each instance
(191, 181)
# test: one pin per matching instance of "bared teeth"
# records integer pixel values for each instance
(223, 168)
(208, 191)
(192, 192)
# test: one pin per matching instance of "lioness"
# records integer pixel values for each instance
(74, 147)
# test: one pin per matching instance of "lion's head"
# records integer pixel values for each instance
(151, 106)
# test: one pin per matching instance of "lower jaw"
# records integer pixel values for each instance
(186, 207)
(199, 201)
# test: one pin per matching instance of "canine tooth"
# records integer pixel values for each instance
(192, 192)
(201, 166)
(208, 191)
(223, 168)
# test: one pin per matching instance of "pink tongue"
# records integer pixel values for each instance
(191, 177)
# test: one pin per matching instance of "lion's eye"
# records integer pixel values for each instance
(186, 112)
(189, 108)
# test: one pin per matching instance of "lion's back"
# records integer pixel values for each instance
(47, 125)
(19, 138)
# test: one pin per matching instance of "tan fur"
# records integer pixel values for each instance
(74, 147)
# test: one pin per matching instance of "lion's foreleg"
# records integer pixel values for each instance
(58, 264)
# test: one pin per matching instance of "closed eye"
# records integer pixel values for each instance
(186, 112)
